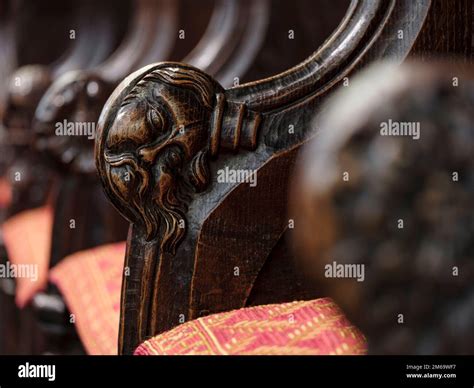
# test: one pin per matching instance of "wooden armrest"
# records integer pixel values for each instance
(77, 98)
(83, 218)
(197, 244)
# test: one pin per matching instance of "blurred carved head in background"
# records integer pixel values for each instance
(387, 187)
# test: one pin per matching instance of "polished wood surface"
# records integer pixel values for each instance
(240, 94)
(188, 232)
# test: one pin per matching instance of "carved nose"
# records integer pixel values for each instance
(148, 154)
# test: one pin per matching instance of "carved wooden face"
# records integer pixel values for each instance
(156, 153)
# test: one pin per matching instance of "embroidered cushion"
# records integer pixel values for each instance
(5, 193)
(27, 238)
(313, 327)
(90, 282)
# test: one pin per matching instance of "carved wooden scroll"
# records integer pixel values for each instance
(168, 132)
(74, 101)
(78, 97)
(28, 83)
(232, 40)
(383, 206)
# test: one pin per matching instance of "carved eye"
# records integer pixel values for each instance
(156, 121)
(174, 158)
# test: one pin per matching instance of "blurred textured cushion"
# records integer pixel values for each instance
(5, 193)
(297, 328)
(90, 282)
(27, 238)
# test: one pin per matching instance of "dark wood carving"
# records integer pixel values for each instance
(25, 88)
(240, 27)
(399, 205)
(168, 130)
(196, 245)
(77, 97)
(27, 170)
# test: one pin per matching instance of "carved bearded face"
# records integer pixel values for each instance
(156, 152)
